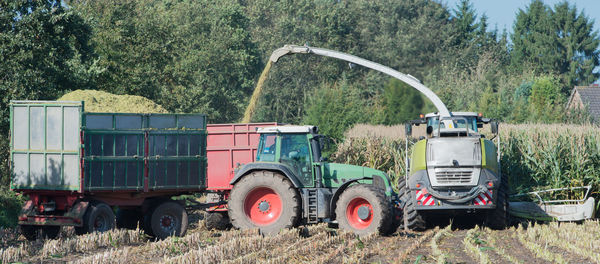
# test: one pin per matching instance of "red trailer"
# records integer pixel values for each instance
(228, 147)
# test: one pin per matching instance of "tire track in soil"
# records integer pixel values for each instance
(385, 249)
(492, 253)
(568, 256)
(514, 247)
(452, 244)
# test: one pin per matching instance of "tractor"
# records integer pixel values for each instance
(454, 170)
(291, 183)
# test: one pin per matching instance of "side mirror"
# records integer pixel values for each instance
(429, 130)
(408, 129)
(494, 126)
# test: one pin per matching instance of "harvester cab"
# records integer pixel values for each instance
(291, 183)
(454, 170)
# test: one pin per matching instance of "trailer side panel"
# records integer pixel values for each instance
(45, 145)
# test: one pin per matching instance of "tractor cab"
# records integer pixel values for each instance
(297, 147)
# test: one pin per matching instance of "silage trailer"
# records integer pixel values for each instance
(95, 170)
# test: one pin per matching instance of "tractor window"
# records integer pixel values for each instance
(468, 121)
(266, 147)
(295, 153)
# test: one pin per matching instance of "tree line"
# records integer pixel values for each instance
(205, 56)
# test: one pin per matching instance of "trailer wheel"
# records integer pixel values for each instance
(415, 221)
(217, 220)
(264, 200)
(498, 218)
(99, 217)
(128, 218)
(363, 209)
(168, 219)
(32, 232)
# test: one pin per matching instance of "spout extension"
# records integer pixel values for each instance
(288, 49)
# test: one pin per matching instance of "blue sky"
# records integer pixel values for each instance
(502, 13)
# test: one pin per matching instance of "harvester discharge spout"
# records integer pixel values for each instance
(408, 79)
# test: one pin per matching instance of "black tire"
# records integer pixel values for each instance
(217, 221)
(415, 221)
(32, 232)
(278, 197)
(498, 217)
(364, 209)
(98, 217)
(128, 218)
(169, 219)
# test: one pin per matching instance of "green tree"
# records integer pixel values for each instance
(546, 100)
(335, 108)
(557, 41)
(401, 102)
(44, 51)
(189, 56)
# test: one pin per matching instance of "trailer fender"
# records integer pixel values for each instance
(246, 169)
(78, 211)
(339, 191)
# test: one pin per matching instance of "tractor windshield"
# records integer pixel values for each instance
(469, 122)
(266, 147)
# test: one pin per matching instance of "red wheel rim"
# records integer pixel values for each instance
(359, 213)
(262, 206)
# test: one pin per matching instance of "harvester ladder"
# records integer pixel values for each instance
(313, 213)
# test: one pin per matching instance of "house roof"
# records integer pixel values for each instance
(590, 96)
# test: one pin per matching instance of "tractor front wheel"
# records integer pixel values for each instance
(498, 217)
(264, 200)
(413, 219)
(363, 209)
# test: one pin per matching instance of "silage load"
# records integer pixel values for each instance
(99, 101)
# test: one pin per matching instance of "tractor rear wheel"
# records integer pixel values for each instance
(498, 217)
(98, 217)
(363, 209)
(264, 200)
(168, 219)
(410, 215)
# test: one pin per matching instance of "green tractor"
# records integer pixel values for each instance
(454, 170)
(291, 183)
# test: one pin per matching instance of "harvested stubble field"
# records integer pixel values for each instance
(565, 243)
